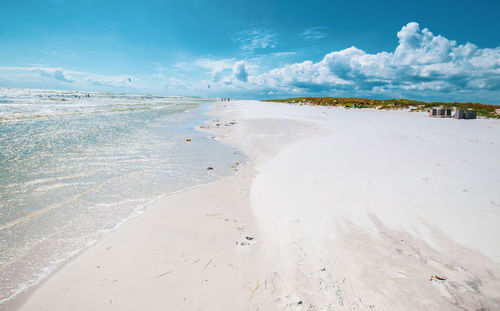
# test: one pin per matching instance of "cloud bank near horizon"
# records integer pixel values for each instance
(422, 62)
(422, 65)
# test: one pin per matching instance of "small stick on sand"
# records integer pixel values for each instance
(163, 274)
(207, 265)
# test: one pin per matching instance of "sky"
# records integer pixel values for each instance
(437, 50)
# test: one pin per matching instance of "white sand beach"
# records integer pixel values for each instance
(335, 210)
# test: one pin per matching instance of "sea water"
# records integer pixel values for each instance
(75, 165)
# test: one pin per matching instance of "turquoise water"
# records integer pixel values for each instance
(74, 167)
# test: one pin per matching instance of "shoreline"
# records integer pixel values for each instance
(247, 241)
(20, 296)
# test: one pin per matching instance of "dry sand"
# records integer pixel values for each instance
(335, 210)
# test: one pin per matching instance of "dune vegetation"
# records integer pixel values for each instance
(487, 111)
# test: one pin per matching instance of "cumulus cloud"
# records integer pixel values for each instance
(217, 75)
(224, 71)
(55, 73)
(423, 64)
(422, 61)
(240, 71)
(215, 67)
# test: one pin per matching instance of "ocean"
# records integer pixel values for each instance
(75, 165)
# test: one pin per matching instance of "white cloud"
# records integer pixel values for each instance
(215, 67)
(255, 38)
(55, 73)
(171, 83)
(421, 47)
(39, 72)
(422, 65)
(224, 71)
(212, 64)
(240, 71)
(110, 81)
(58, 76)
(421, 62)
(217, 75)
(283, 54)
(313, 33)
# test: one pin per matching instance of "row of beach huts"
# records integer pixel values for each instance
(448, 113)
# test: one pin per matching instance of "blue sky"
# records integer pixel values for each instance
(432, 50)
